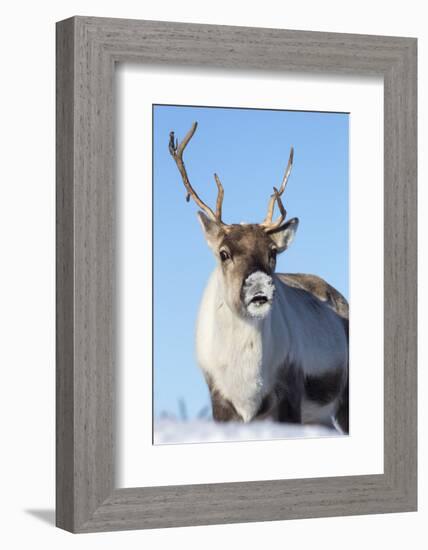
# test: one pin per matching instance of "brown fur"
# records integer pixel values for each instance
(249, 246)
(250, 249)
(222, 409)
(318, 288)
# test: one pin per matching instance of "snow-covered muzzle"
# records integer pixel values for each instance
(257, 294)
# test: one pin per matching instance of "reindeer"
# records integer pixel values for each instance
(270, 345)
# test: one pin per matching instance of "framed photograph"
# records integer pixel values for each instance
(236, 274)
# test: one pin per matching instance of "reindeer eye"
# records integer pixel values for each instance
(224, 255)
(272, 253)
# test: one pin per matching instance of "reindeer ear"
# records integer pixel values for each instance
(212, 230)
(284, 235)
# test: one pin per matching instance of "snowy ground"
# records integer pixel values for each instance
(167, 431)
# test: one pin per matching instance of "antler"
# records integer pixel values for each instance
(267, 223)
(176, 149)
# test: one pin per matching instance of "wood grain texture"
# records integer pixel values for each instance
(64, 277)
(87, 49)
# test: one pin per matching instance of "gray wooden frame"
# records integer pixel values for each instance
(87, 50)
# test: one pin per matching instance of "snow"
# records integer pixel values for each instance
(170, 431)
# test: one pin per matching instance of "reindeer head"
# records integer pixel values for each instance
(246, 253)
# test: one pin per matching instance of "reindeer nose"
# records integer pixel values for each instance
(257, 293)
(258, 281)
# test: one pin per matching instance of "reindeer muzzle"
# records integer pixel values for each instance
(257, 292)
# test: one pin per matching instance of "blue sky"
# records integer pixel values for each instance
(249, 149)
